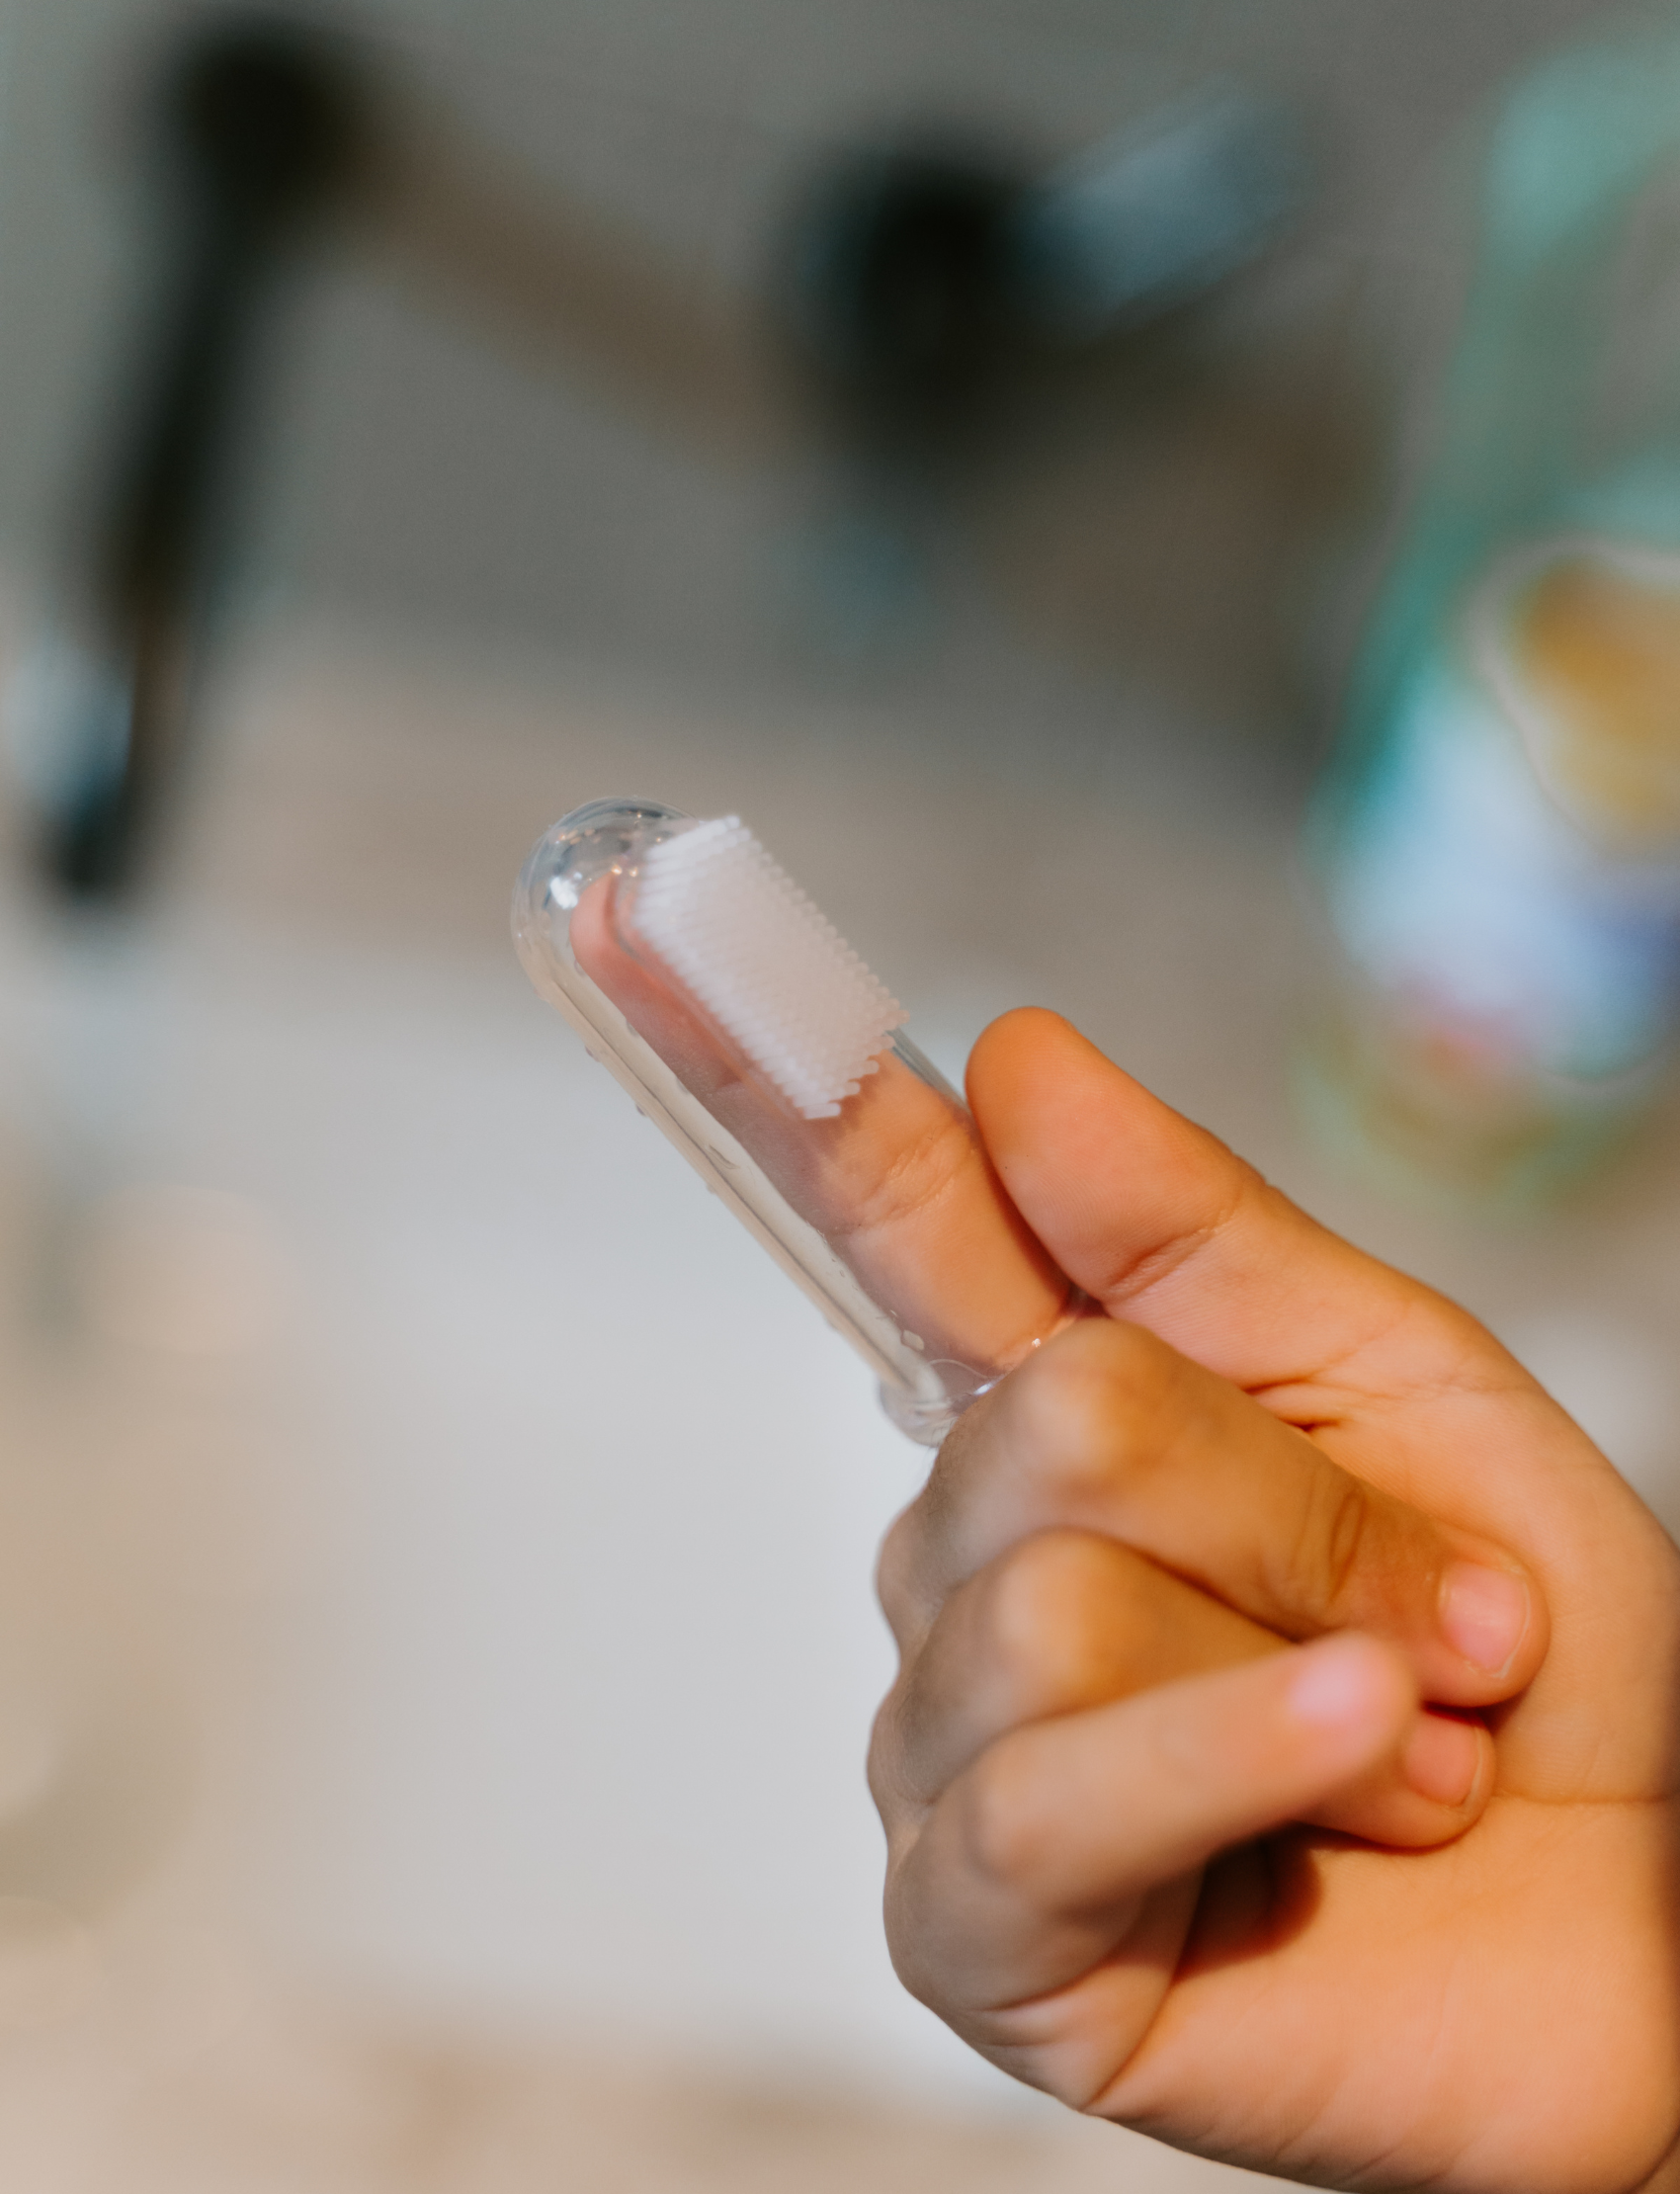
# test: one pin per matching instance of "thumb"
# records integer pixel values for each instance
(1164, 1227)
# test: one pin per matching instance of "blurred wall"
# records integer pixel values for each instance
(570, 1628)
(418, 474)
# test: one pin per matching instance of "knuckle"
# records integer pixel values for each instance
(1006, 1837)
(885, 1766)
(895, 1570)
(1085, 1408)
(1049, 1605)
(914, 1956)
(918, 1177)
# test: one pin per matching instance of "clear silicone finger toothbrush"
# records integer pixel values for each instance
(747, 1030)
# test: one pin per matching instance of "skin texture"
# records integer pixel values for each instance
(1282, 1759)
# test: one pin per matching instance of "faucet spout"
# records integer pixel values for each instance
(258, 129)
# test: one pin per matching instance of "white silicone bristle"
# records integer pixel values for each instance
(777, 978)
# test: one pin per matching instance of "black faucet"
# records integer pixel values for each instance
(258, 129)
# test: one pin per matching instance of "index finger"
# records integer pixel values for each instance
(898, 1184)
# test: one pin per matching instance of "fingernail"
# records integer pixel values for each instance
(1484, 1613)
(1331, 1687)
(1440, 1759)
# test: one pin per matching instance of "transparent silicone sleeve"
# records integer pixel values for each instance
(817, 1194)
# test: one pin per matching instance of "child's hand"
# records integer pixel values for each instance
(1112, 1723)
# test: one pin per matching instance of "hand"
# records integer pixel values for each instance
(1284, 1756)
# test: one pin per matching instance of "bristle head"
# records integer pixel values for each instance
(743, 939)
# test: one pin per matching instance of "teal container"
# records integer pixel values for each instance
(1498, 837)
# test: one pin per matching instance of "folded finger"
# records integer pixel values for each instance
(1061, 1622)
(1107, 1430)
(1068, 1621)
(1039, 1860)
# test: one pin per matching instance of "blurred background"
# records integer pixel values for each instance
(975, 441)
